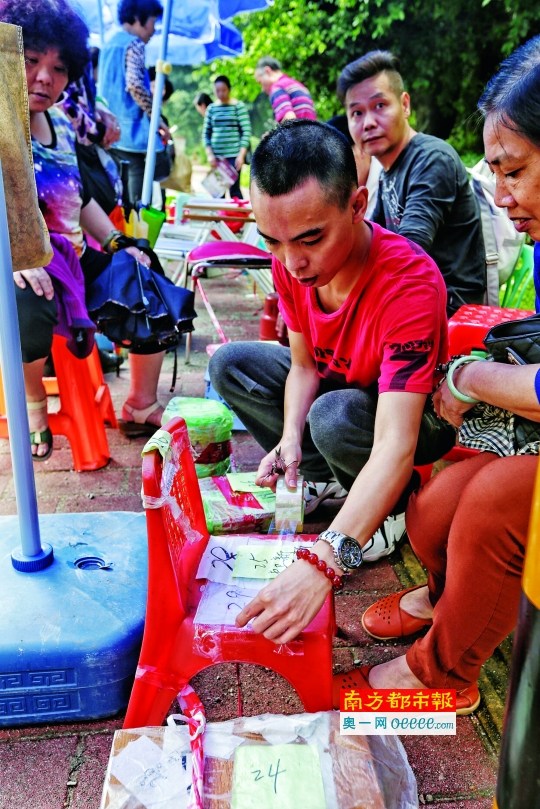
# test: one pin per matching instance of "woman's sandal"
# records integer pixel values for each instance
(353, 679)
(138, 425)
(39, 437)
(467, 700)
(385, 619)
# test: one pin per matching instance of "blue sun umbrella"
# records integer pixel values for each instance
(190, 32)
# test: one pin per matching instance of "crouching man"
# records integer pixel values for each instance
(365, 311)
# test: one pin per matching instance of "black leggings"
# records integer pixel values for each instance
(37, 319)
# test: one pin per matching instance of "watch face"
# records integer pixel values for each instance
(351, 553)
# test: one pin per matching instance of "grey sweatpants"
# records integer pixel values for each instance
(339, 433)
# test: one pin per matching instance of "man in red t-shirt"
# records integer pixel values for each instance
(365, 311)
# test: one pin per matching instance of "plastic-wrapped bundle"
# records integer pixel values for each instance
(234, 503)
(268, 760)
(209, 425)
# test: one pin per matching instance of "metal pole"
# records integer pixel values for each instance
(150, 165)
(101, 23)
(33, 556)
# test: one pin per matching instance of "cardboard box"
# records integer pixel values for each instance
(290, 762)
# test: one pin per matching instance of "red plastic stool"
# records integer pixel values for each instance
(269, 316)
(469, 325)
(85, 406)
(173, 649)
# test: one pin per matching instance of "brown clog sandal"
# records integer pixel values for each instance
(353, 679)
(385, 619)
(467, 700)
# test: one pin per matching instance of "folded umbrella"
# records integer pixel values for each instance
(134, 305)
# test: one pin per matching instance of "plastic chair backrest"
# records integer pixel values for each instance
(175, 648)
(520, 281)
(181, 516)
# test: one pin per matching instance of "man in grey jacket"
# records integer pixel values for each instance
(424, 191)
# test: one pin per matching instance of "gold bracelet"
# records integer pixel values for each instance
(110, 244)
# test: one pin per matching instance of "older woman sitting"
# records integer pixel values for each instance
(469, 524)
(55, 50)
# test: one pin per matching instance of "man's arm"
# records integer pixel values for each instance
(300, 390)
(286, 606)
(389, 468)
(282, 105)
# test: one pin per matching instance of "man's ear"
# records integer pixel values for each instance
(359, 203)
(406, 104)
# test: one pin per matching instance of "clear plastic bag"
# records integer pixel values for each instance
(233, 503)
(246, 759)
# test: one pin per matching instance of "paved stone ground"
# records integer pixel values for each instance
(58, 766)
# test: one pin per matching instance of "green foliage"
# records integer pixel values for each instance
(448, 49)
(180, 109)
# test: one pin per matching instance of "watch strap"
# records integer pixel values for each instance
(334, 539)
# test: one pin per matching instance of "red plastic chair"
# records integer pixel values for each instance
(85, 406)
(469, 325)
(171, 653)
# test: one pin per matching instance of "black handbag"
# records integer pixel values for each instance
(96, 182)
(137, 306)
(517, 342)
(164, 164)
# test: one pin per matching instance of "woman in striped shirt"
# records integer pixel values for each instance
(227, 131)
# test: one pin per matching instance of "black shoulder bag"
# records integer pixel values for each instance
(517, 342)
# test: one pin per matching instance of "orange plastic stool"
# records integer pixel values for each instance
(85, 406)
(174, 649)
(469, 325)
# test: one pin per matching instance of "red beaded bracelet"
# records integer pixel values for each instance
(320, 564)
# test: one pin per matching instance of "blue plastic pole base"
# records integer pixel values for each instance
(70, 634)
(31, 564)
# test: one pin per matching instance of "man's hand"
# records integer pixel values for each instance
(39, 280)
(449, 408)
(282, 460)
(164, 132)
(288, 604)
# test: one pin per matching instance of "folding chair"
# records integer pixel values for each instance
(174, 648)
(197, 221)
(229, 255)
(174, 244)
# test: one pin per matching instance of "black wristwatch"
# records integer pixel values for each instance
(347, 550)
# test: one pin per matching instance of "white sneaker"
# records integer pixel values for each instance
(386, 538)
(323, 492)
